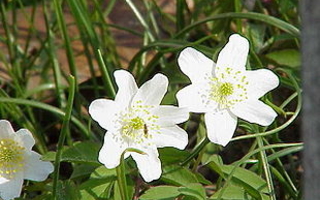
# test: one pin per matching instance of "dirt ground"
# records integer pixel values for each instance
(126, 44)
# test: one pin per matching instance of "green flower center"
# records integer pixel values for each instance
(11, 158)
(138, 123)
(228, 88)
(133, 126)
(225, 89)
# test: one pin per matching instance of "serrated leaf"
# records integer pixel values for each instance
(160, 192)
(86, 152)
(287, 57)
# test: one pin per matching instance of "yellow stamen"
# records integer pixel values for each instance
(11, 158)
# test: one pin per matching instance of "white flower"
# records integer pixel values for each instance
(225, 91)
(135, 119)
(18, 161)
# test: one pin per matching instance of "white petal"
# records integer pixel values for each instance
(25, 138)
(190, 97)
(260, 81)
(149, 165)
(171, 137)
(3, 180)
(170, 115)
(152, 91)
(127, 87)
(36, 169)
(234, 54)
(104, 112)
(195, 65)
(12, 188)
(255, 111)
(111, 151)
(6, 129)
(220, 126)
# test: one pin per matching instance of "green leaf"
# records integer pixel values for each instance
(215, 163)
(103, 172)
(167, 158)
(100, 184)
(195, 190)
(81, 152)
(287, 57)
(49, 156)
(96, 189)
(82, 171)
(245, 176)
(67, 190)
(249, 181)
(202, 179)
(233, 192)
(178, 175)
(160, 192)
(257, 34)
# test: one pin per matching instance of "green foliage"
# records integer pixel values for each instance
(80, 152)
(191, 191)
(286, 57)
(36, 93)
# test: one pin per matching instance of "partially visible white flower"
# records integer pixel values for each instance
(135, 119)
(225, 91)
(18, 161)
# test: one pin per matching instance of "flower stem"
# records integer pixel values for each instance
(122, 181)
(63, 134)
(266, 169)
(196, 151)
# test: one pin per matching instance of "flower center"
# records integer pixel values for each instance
(228, 88)
(138, 124)
(225, 89)
(133, 127)
(11, 158)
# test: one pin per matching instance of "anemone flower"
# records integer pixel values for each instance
(226, 90)
(18, 161)
(136, 120)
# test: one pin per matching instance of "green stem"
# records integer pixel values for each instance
(122, 181)
(282, 25)
(106, 75)
(266, 169)
(248, 155)
(46, 107)
(195, 151)
(63, 134)
(141, 20)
